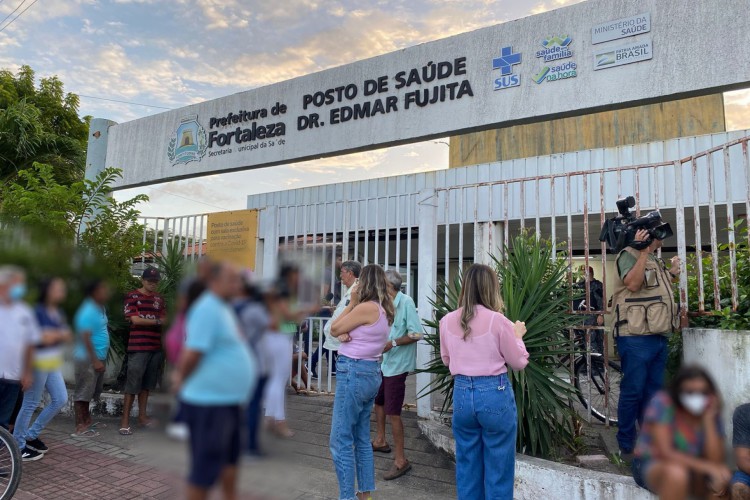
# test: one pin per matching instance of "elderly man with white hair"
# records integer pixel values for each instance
(19, 333)
(399, 359)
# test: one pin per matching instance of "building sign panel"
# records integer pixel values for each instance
(443, 88)
(232, 236)
(621, 28)
(625, 54)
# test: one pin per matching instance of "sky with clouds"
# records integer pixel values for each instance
(168, 54)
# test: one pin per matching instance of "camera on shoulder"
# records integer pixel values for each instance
(619, 232)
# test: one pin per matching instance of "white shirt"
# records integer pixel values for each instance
(18, 331)
(332, 343)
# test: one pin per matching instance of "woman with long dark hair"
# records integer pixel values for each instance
(47, 370)
(477, 344)
(680, 451)
(362, 328)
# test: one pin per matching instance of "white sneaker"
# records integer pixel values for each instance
(178, 431)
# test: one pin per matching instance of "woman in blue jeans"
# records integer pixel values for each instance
(47, 371)
(363, 329)
(478, 343)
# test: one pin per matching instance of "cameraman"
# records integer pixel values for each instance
(645, 315)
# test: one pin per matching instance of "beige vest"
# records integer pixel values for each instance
(650, 310)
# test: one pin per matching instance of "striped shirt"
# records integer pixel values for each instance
(144, 338)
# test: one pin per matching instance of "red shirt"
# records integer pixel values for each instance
(144, 338)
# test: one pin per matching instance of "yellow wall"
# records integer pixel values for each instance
(653, 122)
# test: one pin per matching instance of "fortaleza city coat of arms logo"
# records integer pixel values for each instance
(188, 143)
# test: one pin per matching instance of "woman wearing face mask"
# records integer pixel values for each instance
(680, 451)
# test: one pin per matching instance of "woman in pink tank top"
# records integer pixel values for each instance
(363, 329)
(478, 344)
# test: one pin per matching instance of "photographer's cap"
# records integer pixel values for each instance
(151, 274)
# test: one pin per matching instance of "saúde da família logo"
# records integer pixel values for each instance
(188, 143)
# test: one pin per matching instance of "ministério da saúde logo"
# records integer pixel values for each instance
(188, 143)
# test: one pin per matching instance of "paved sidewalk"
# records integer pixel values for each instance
(149, 465)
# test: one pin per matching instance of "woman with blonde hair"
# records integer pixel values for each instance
(477, 344)
(362, 328)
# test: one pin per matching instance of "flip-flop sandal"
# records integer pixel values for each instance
(125, 431)
(98, 425)
(88, 433)
(395, 472)
(381, 449)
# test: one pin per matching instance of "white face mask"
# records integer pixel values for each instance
(694, 403)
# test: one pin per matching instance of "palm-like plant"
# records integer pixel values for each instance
(535, 289)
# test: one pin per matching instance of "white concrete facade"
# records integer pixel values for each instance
(690, 49)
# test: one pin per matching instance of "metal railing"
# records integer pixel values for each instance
(311, 343)
(706, 185)
(455, 225)
(161, 233)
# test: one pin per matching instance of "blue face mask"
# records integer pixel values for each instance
(17, 292)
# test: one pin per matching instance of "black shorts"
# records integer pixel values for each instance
(391, 394)
(214, 441)
(143, 371)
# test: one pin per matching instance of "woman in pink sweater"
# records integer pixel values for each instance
(477, 344)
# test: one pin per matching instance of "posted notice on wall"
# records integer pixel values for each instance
(232, 237)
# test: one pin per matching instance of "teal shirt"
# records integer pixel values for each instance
(402, 359)
(91, 317)
(226, 372)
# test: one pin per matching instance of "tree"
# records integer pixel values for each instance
(82, 213)
(40, 124)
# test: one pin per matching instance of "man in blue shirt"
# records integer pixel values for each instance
(215, 377)
(399, 358)
(90, 354)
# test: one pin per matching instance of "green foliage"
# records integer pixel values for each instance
(535, 289)
(724, 318)
(83, 213)
(40, 124)
(172, 267)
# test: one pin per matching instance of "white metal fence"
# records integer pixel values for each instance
(432, 234)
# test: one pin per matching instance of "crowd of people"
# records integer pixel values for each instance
(230, 351)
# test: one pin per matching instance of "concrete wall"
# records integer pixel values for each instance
(636, 125)
(726, 354)
(696, 51)
(538, 479)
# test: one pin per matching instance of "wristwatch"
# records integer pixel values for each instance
(393, 343)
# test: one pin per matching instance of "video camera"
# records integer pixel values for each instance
(619, 232)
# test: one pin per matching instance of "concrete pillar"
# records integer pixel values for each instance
(96, 153)
(270, 244)
(426, 284)
(488, 241)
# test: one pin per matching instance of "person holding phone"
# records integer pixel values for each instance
(680, 451)
(478, 344)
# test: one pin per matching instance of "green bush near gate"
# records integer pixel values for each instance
(535, 289)
(724, 317)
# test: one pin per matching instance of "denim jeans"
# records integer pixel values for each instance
(484, 426)
(644, 358)
(255, 414)
(357, 384)
(55, 385)
(9, 390)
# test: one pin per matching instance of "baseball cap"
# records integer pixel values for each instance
(151, 274)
